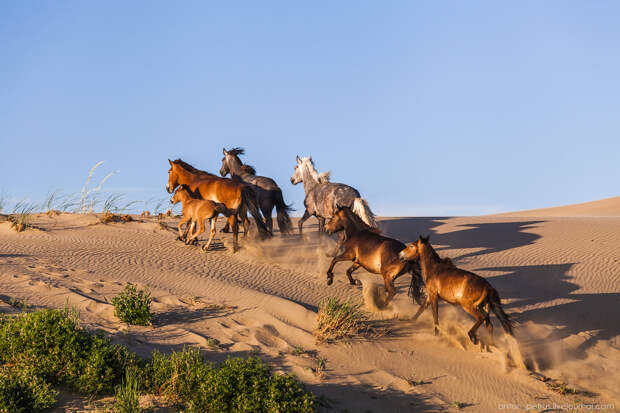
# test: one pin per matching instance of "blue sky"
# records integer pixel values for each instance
(428, 108)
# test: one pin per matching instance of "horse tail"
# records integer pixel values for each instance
(248, 198)
(282, 210)
(496, 306)
(362, 210)
(221, 209)
(417, 288)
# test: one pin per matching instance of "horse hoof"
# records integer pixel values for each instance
(358, 282)
(330, 281)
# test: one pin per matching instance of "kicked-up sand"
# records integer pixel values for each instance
(557, 271)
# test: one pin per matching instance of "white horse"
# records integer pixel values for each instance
(324, 198)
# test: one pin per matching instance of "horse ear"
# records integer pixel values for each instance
(425, 239)
(298, 159)
(224, 151)
(170, 161)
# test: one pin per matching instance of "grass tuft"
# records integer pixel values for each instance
(128, 393)
(21, 218)
(339, 320)
(133, 306)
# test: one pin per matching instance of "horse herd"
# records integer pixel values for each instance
(339, 209)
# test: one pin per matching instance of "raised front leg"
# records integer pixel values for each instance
(345, 256)
(213, 222)
(303, 219)
(350, 270)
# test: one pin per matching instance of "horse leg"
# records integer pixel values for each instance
(190, 232)
(181, 236)
(199, 231)
(266, 208)
(232, 220)
(213, 221)
(345, 256)
(422, 308)
(303, 219)
(480, 318)
(321, 226)
(352, 268)
(389, 287)
(435, 307)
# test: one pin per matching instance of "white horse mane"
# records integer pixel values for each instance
(322, 177)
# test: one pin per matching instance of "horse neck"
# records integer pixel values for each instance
(428, 259)
(309, 180)
(350, 228)
(234, 165)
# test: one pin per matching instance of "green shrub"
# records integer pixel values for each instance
(23, 391)
(133, 306)
(337, 320)
(247, 385)
(51, 345)
(128, 393)
(177, 375)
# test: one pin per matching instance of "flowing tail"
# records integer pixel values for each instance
(362, 210)
(496, 306)
(282, 210)
(248, 198)
(417, 288)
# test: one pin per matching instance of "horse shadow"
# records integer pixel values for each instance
(486, 238)
(577, 313)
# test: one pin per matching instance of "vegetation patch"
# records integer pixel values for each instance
(338, 320)
(133, 306)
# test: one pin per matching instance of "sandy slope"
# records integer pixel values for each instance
(608, 207)
(559, 277)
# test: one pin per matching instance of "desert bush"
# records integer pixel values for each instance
(133, 306)
(23, 391)
(176, 376)
(247, 385)
(337, 320)
(53, 347)
(128, 393)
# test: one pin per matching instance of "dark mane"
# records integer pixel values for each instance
(236, 151)
(443, 261)
(248, 169)
(190, 168)
(358, 221)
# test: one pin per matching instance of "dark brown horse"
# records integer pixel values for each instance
(456, 286)
(268, 192)
(232, 193)
(368, 249)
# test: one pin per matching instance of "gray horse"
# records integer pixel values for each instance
(268, 193)
(323, 198)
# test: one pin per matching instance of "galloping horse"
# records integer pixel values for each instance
(233, 194)
(324, 198)
(367, 248)
(456, 286)
(268, 192)
(197, 211)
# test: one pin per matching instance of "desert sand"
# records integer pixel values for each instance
(557, 271)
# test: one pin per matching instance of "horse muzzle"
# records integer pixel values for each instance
(402, 256)
(168, 189)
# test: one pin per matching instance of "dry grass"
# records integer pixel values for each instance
(21, 218)
(108, 217)
(339, 320)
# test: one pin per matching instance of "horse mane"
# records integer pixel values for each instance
(324, 177)
(236, 151)
(190, 168)
(361, 225)
(248, 169)
(443, 261)
(192, 194)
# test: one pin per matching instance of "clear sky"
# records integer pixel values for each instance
(428, 108)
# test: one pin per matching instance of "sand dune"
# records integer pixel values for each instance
(608, 207)
(559, 278)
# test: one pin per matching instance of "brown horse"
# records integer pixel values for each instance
(197, 211)
(456, 286)
(367, 248)
(232, 193)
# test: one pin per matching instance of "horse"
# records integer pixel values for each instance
(324, 198)
(268, 192)
(197, 210)
(233, 194)
(366, 247)
(455, 286)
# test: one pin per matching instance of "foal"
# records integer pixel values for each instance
(197, 210)
(456, 286)
(376, 253)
